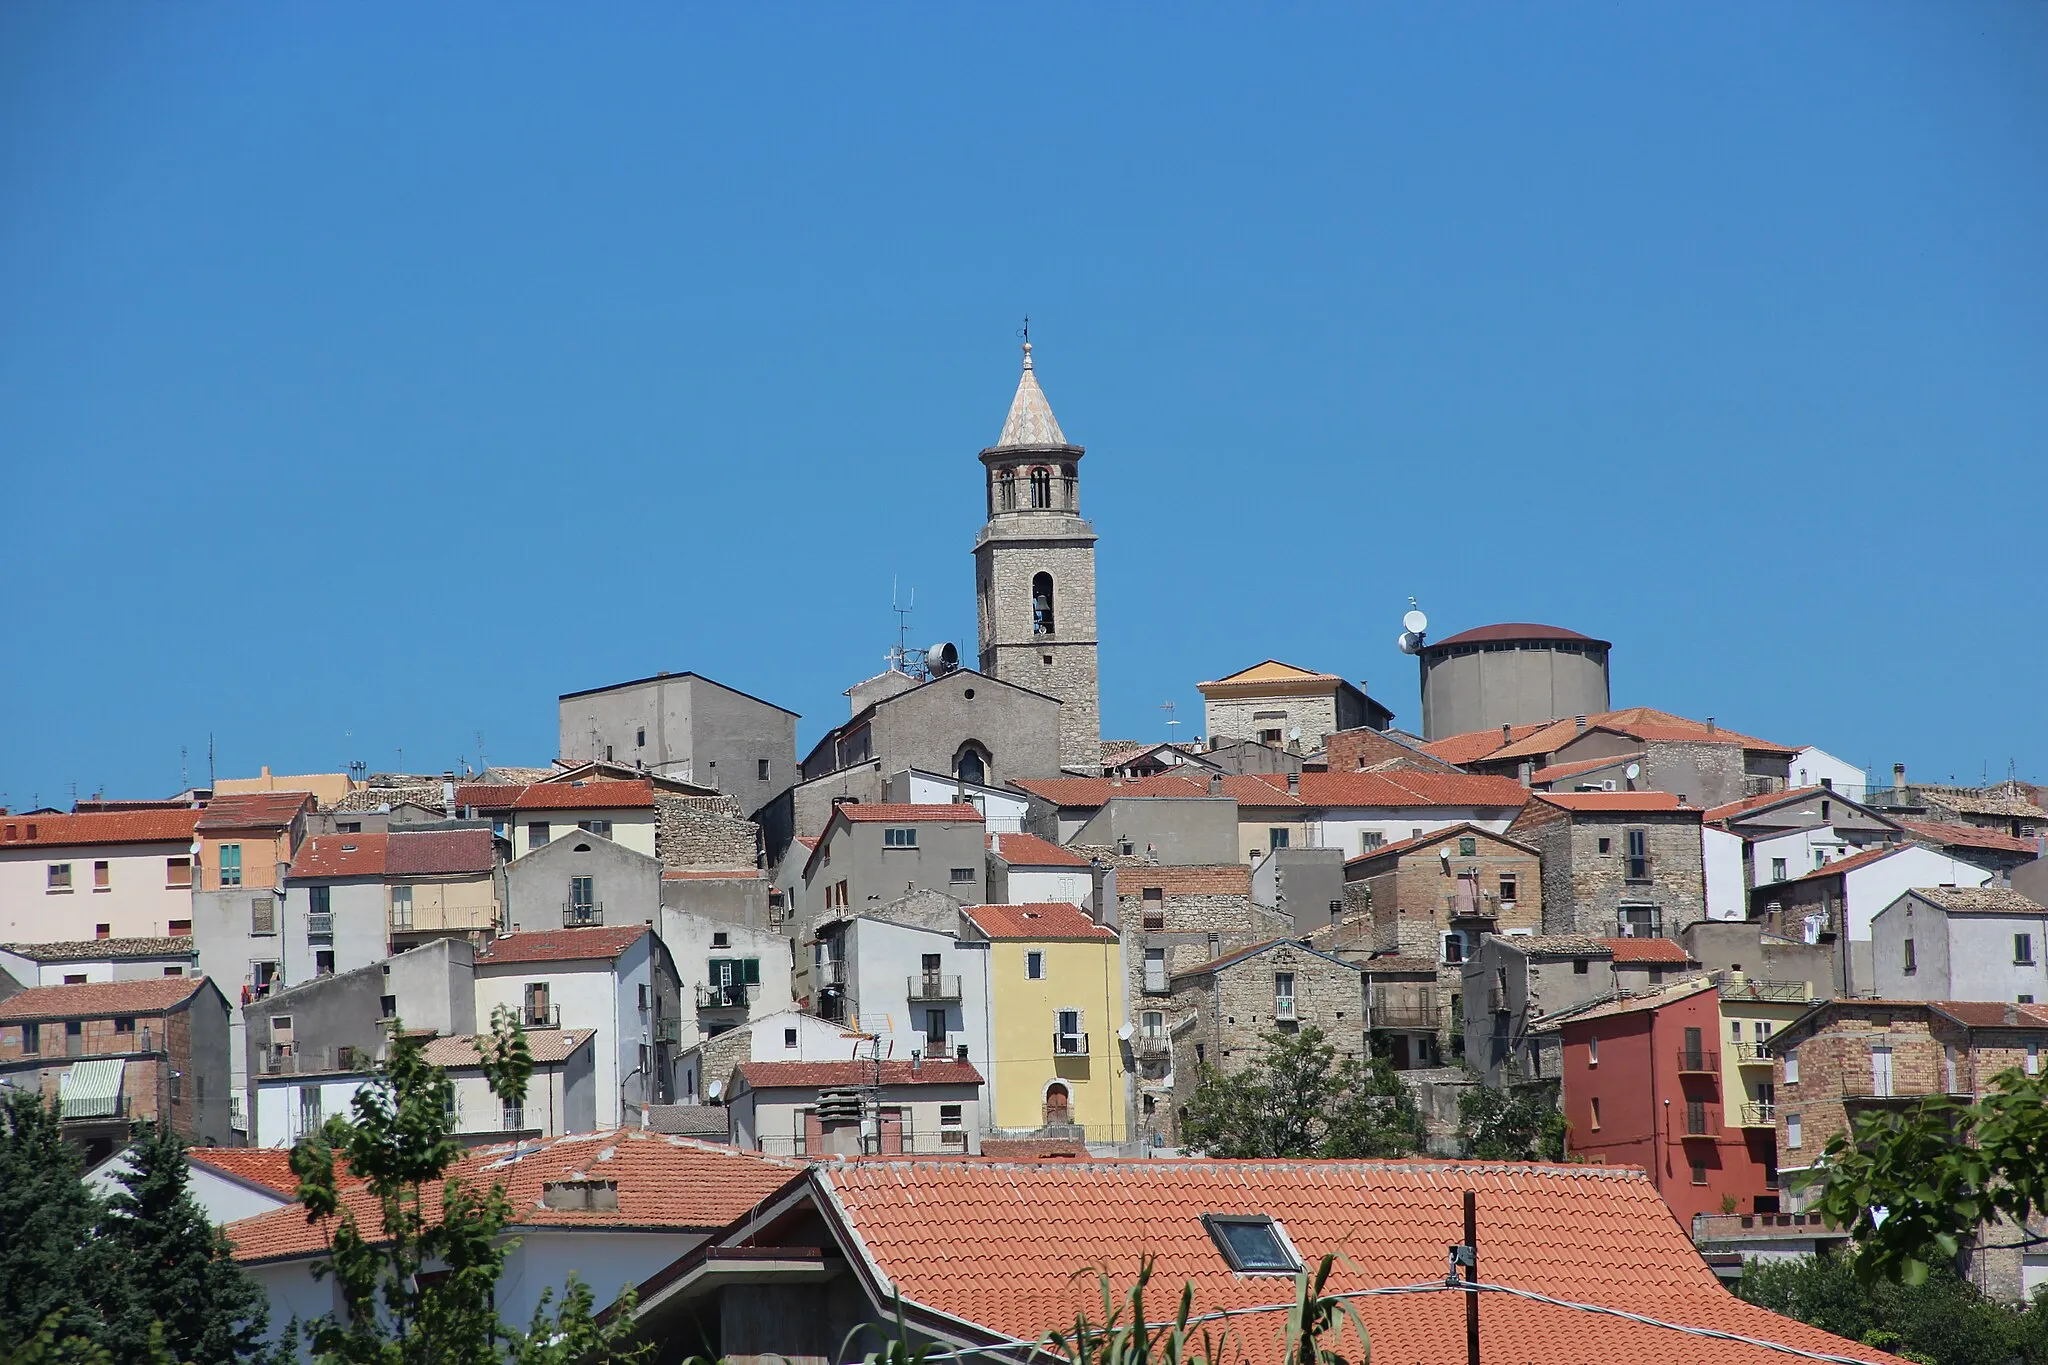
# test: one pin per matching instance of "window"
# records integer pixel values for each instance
(1153, 1023)
(348, 827)
(1468, 847)
(231, 868)
(537, 1012)
(177, 1087)
(601, 828)
(323, 962)
(536, 834)
(1595, 1124)
(1034, 965)
(1283, 995)
(1606, 845)
(1041, 604)
(1454, 948)
(1699, 1172)
(789, 1037)
(2033, 1059)
(58, 877)
(1509, 887)
(950, 1115)
(761, 769)
(1252, 1245)
(1155, 971)
(1276, 838)
(1068, 1040)
(934, 1032)
(1791, 1068)
(1371, 840)
(640, 738)
(1911, 963)
(1778, 869)
(1735, 1029)
(1792, 1134)
(1041, 487)
(594, 1196)
(2023, 950)
(721, 939)
(1580, 966)
(960, 875)
(102, 876)
(309, 1108)
(177, 873)
(387, 1007)
(322, 898)
(1638, 855)
(263, 915)
(970, 766)
(124, 1026)
(31, 1038)
(582, 897)
(103, 931)
(899, 838)
(640, 994)
(74, 979)
(1592, 1052)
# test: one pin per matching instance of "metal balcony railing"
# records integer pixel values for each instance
(577, 914)
(1639, 925)
(320, 926)
(1486, 905)
(1704, 1061)
(934, 987)
(1697, 1124)
(512, 1118)
(668, 1029)
(1756, 1115)
(1283, 1007)
(1751, 1054)
(541, 1015)
(721, 995)
(1070, 1044)
(831, 972)
(1750, 988)
(1154, 1045)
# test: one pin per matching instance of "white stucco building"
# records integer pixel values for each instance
(117, 874)
(1961, 943)
(1027, 870)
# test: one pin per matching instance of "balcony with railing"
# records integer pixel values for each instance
(1639, 922)
(1480, 905)
(934, 988)
(1699, 1061)
(540, 1014)
(320, 926)
(668, 1029)
(1070, 1045)
(721, 995)
(1752, 1054)
(582, 914)
(831, 972)
(1752, 988)
(296, 1059)
(1759, 1115)
(1698, 1122)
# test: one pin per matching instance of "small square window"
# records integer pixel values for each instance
(1699, 1172)
(1468, 847)
(1034, 965)
(721, 939)
(1607, 845)
(1253, 1245)
(1580, 966)
(789, 1037)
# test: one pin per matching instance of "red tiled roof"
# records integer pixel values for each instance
(902, 813)
(439, 852)
(1039, 920)
(1750, 803)
(1421, 841)
(1028, 850)
(1513, 630)
(1660, 951)
(1967, 836)
(607, 795)
(826, 1075)
(1558, 772)
(1411, 789)
(1477, 744)
(1032, 1149)
(562, 945)
(1637, 722)
(1017, 1247)
(1852, 862)
(1986, 1013)
(254, 810)
(100, 999)
(1226, 879)
(340, 855)
(664, 1182)
(111, 827)
(270, 1167)
(548, 1046)
(1615, 801)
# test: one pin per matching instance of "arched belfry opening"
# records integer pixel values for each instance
(1041, 604)
(1041, 487)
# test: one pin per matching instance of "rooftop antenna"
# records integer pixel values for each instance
(184, 767)
(480, 763)
(1171, 721)
(210, 781)
(1414, 629)
(899, 657)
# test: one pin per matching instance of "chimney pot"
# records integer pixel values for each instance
(1710, 725)
(1294, 784)
(1507, 734)
(1581, 720)
(1215, 784)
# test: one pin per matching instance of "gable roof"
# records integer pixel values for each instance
(100, 999)
(1015, 1247)
(548, 1045)
(102, 949)
(1643, 723)
(664, 1182)
(1464, 829)
(1221, 879)
(1967, 836)
(1040, 920)
(1271, 673)
(1848, 864)
(254, 810)
(269, 1168)
(631, 794)
(1661, 951)
(1593, 802)
(1764, 801)
(561, 945)
(108, 827)
(1980, 900)
(903, 813)
(830, 1075)
(1028, 850)
(1635, 1004)
(1558, 772)
(422, 853)
(678, 677)
(1231, 959)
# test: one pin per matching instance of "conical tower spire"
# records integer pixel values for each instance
(1030, 422)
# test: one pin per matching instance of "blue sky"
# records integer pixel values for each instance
(371, 374)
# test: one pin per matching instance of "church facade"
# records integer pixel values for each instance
(1034, 571)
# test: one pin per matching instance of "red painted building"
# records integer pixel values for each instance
(1644, 1086)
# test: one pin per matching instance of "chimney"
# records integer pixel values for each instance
(1899, 779)
(916, 1060)
(1581, 720)
(1507, 735)
(2012, 1014)
(1215, 784)
(448, 794)
(1294, 784)
(1710, 725)
(1525, 772)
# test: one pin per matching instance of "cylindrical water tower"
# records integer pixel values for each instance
(1517, 673)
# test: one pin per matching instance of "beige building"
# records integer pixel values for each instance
(1283, 706)
(327, 788)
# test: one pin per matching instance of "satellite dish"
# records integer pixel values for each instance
(1415, 623)
(712, 1090)
(1444, 853)
(942, 658)
(1295, 733)
(1634, 770)
(1410, 641)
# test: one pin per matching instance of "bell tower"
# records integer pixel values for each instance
(1034, 571)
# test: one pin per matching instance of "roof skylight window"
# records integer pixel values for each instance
(1253, 1244)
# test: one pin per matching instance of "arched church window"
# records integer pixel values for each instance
(1041, 487)
(970, 766)
(1009, 490)
(1041, 604)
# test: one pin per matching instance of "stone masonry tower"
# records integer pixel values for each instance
(1034, 572)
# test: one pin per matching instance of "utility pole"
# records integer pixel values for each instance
(1471, 1277)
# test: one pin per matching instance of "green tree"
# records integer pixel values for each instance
(1914, 1187)
(186, 1285)
(1518, 1123)
(1942, 1320)
(54, 1272)
(418, 1288)
(1298, 1100)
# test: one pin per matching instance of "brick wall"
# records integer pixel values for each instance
(1350, 751)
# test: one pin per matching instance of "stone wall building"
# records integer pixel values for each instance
(1285, 707)
(1616, 864)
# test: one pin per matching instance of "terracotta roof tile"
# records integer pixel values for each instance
(1654, 950)
(1039, 920)
(439, 852)
(1850, 863)
(546, 1045)
(254, 810)
(1016, 1246)
(340, 855)
(1614, 801)
(626, 795)
(1558, 772)
(1028, 850)
(825, 1075)
(902, 813)
(1749, 803)
(270, 1167)
(1031, 1149)
(664, 1182)
(100, 999)
(562, 945)
(1980, 900)
(1984, 1013)
(1967, 836)
(112, 827)
(1422, 841)
(1637, 722)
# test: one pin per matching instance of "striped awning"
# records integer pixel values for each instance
(91, 1090)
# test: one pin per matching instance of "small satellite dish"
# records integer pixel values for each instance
(1415, 623)
(1444, 853)
(712, 1090)
(1410, 642)
(942, 658)
(1634, 770)
(1295, 733)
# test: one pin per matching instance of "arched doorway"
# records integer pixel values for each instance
(1058, 1104)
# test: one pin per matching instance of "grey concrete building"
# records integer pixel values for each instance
(1511, 984)
(1172, 819)
(1616, 864)
(1513, 674)
(1961, 943)
(579, 880)
(687, 726)
(307, 1047)
(1749, 949)
(1034, 572)
(1305, 884)
(870, 855)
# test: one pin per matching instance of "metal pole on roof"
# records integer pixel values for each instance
(1472, 1277)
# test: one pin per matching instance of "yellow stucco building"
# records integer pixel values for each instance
(1056, 1001)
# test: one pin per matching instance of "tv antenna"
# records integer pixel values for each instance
(1171, 720)
(933, 661)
